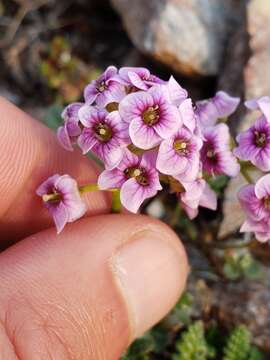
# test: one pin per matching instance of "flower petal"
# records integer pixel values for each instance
(111, 179)
(142, 135)
(133, 105)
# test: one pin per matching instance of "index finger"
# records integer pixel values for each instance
(30, 153)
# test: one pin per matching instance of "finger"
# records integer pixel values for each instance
(87, 293)
(30, 153)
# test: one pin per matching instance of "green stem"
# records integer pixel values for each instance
(82, 189)
(246, 175)
(116, 203)
(87, 188)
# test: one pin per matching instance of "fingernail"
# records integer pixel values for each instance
(151, 274)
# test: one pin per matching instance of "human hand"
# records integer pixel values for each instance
(88, 292)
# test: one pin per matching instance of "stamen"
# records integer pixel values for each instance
(137, 172)
(260, 138)
(151, 115)
(180, 146)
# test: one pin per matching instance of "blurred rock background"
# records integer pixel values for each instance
(49, 50)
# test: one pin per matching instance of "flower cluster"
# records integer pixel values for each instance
(149, 134)
(254, 147)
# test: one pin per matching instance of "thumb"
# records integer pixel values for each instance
(88, 292)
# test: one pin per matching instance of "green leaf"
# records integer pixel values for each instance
(238, 345)
(232, 271)
(218, 183)
(192, 344)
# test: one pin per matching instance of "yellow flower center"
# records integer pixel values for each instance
(137, 173)
(151, 115)
(180, 146)
(103, 132)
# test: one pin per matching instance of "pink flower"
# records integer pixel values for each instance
(151, 116)
(255, 201)
(216, 155)
(197, 193)
(104, 133)
(105, 89)
(68, 206)
(138, 78)
(220, 106)
(180, 155)
(262, 104)
(254, 144)
(69, 132)
(176, 92)
(136, 177)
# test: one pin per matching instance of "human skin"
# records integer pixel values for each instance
(88, 292)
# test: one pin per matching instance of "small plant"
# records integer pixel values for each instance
(192, 344)
(240, 263)
(239, 347)
(63, 71)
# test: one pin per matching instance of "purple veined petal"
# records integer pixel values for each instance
(87, 140)
(262, 187)
(191, 213)
(110, 72)
(111, 179)
(142, 135)
(262, 159)
(111, 155)
(64, 139)
(193, 191)
(134, 104)
(132, 195)
(47, 185)
(252, 206)
(246, 149)
(206, 113)
(66, 185)
(72, 200)
(155, 185)
(187, 114)
(250, 225)
(262, 103)
(176, 92)
(149, 159)
(191, 171)
(225, 103)
(90, 93)
(160, 94)
(70, 112)
(120, 127)
(221, 135)
(168, 161)
(228, 163)
(142, 73)
(60, 215)
(137, 81)
(88, 115)
(73, 128)
(208, 198)
(169, 121)
(114, 93)
(129, 160)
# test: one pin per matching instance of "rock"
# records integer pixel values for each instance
(246, 303)
(189, 36)
(253, 73)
